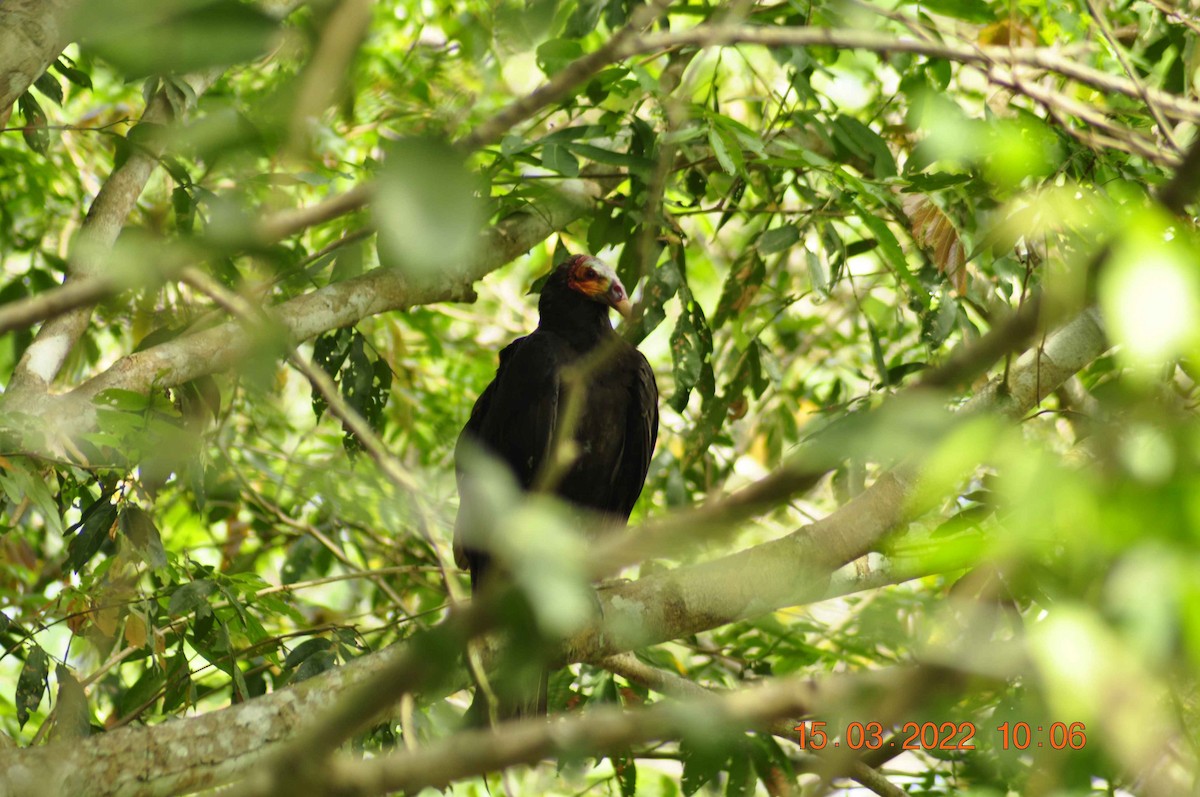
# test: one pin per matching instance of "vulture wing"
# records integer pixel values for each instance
(641, 432)
(514, 420)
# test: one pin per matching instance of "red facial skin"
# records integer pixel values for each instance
(597, 281)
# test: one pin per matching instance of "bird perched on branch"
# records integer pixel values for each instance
(573, 410)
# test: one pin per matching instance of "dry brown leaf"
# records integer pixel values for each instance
(106, 620)
(1009, 32)
(77, 615)
(135, 630)
(934, 232)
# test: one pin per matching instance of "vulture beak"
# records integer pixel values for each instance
(618, 300)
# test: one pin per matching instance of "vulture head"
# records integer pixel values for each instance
(591, 278)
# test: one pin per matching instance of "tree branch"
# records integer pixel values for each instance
(31, 37)
(469, 753)
(382, 290)
(795, 569)
(218, 747)
(1042, 58)
(41, 362)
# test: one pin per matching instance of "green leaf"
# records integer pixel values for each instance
(29, 484)
(741, 780)
(366, 383)
(143, 692)
(93, 526)
(315, 664)
(138, 527)
(309, 647)
(700, 765)
(49, 87)
(348, 263)
(662, 285)
(179, 690)
(427, 209)
(611, 158)
(866, 143)
(303, 556)
(555, 54)
(893, 255)
(741, 286)
(924, 183)
(512, 144)
(185, 210)
(124, 400)
(877, 353)
(723, 153)
(817, 275)
(778, 239)
(31, 684)
(36, 136)
(687, 361)
(72, 715)
(76, 76)
(896, 373)
(557, 158)
(171, 36)
(179, 95)
(625, 766)
(190, 597)
(976, 11)
(329, 354)
(768, 757)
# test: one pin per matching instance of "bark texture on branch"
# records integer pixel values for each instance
(31, 37)
(177, 757)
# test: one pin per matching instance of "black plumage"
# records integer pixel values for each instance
(518, 417)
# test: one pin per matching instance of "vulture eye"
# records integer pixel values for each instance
(589, 273)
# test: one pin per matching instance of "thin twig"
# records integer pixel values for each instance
(1177, 14)
(1119, 51)
(1036, 57)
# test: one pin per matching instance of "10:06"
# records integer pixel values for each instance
(1019, 736)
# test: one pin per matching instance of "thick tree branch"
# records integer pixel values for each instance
(41, 362)
(382, 290)
(26, 312)
(795, 569)
(474, 752)
(31, 37)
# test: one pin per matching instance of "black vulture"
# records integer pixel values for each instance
(517, 418)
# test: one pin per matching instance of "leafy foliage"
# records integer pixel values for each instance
(812, 226)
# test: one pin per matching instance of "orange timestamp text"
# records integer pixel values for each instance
(941, 736)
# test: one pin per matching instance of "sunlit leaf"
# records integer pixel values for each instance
(427, 209)
(172, 36)
(554, 54)
(893, 255)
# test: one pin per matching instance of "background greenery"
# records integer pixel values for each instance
(813, 225)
